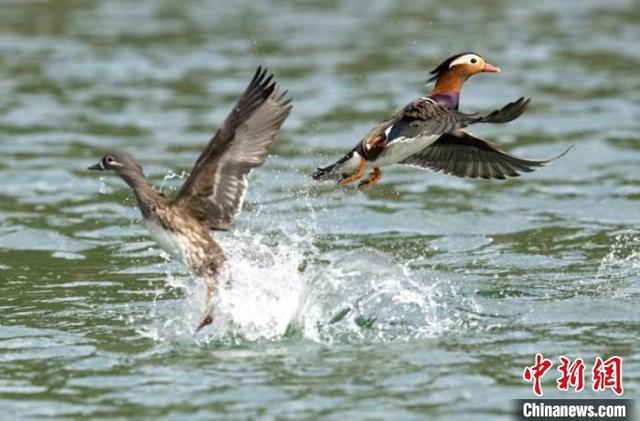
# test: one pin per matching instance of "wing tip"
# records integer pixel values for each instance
(506, 114)
(262, 84)
(534, 165)
(283, 99)
(266, 87)
(566, 151)
(260, 89)
(555, 158)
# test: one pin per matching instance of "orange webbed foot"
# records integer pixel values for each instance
(362, 165)
(372, 180)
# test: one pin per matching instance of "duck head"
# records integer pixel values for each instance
(121, 163)
(115, 161)
(451, 74)
(131, 172)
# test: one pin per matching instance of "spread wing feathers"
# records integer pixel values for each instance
(214, 192)
(508, 113)
(425, 117)
(462, 154)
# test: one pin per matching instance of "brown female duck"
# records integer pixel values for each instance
(212, 195)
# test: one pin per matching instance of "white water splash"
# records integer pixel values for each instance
(364, 295)
(103, 185)
(622, 263)
(171, 175)
(283, 286)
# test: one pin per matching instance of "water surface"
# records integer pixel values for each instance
(423, 297)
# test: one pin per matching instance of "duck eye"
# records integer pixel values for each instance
(109, 159)
(474, 61)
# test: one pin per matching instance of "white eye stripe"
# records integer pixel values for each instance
(464, 59)
(110, 161)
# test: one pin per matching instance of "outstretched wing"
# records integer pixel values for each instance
(425, 117)
(214, 192)
(508, 113)
(462, 154)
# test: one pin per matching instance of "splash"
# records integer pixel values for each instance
(171, 175)
(283, 286)
(103, 185)
(365, 295)
(621, 264)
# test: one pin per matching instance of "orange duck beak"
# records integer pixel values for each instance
(490, 68)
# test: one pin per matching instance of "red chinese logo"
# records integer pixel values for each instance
(608, 375)
(571, 374)
(605, 374)
(536, 372)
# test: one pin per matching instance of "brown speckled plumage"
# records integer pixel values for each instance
(213, 194)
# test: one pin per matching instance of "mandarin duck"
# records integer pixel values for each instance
(212, 195)
(429, 133)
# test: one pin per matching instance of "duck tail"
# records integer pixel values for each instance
(337, 170)
(326, 173)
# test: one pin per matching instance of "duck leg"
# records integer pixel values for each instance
(373, 179)
(207, 317)
(362, 165)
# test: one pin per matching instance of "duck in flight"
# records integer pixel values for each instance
(212, 195)
(429, 133)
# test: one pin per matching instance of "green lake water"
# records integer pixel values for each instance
(424, 297)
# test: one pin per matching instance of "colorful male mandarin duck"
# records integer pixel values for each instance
(428, 134)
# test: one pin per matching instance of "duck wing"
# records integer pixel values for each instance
(214, 191)
(463, 154)
(426, 117)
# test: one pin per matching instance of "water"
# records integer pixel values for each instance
(423, 297)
